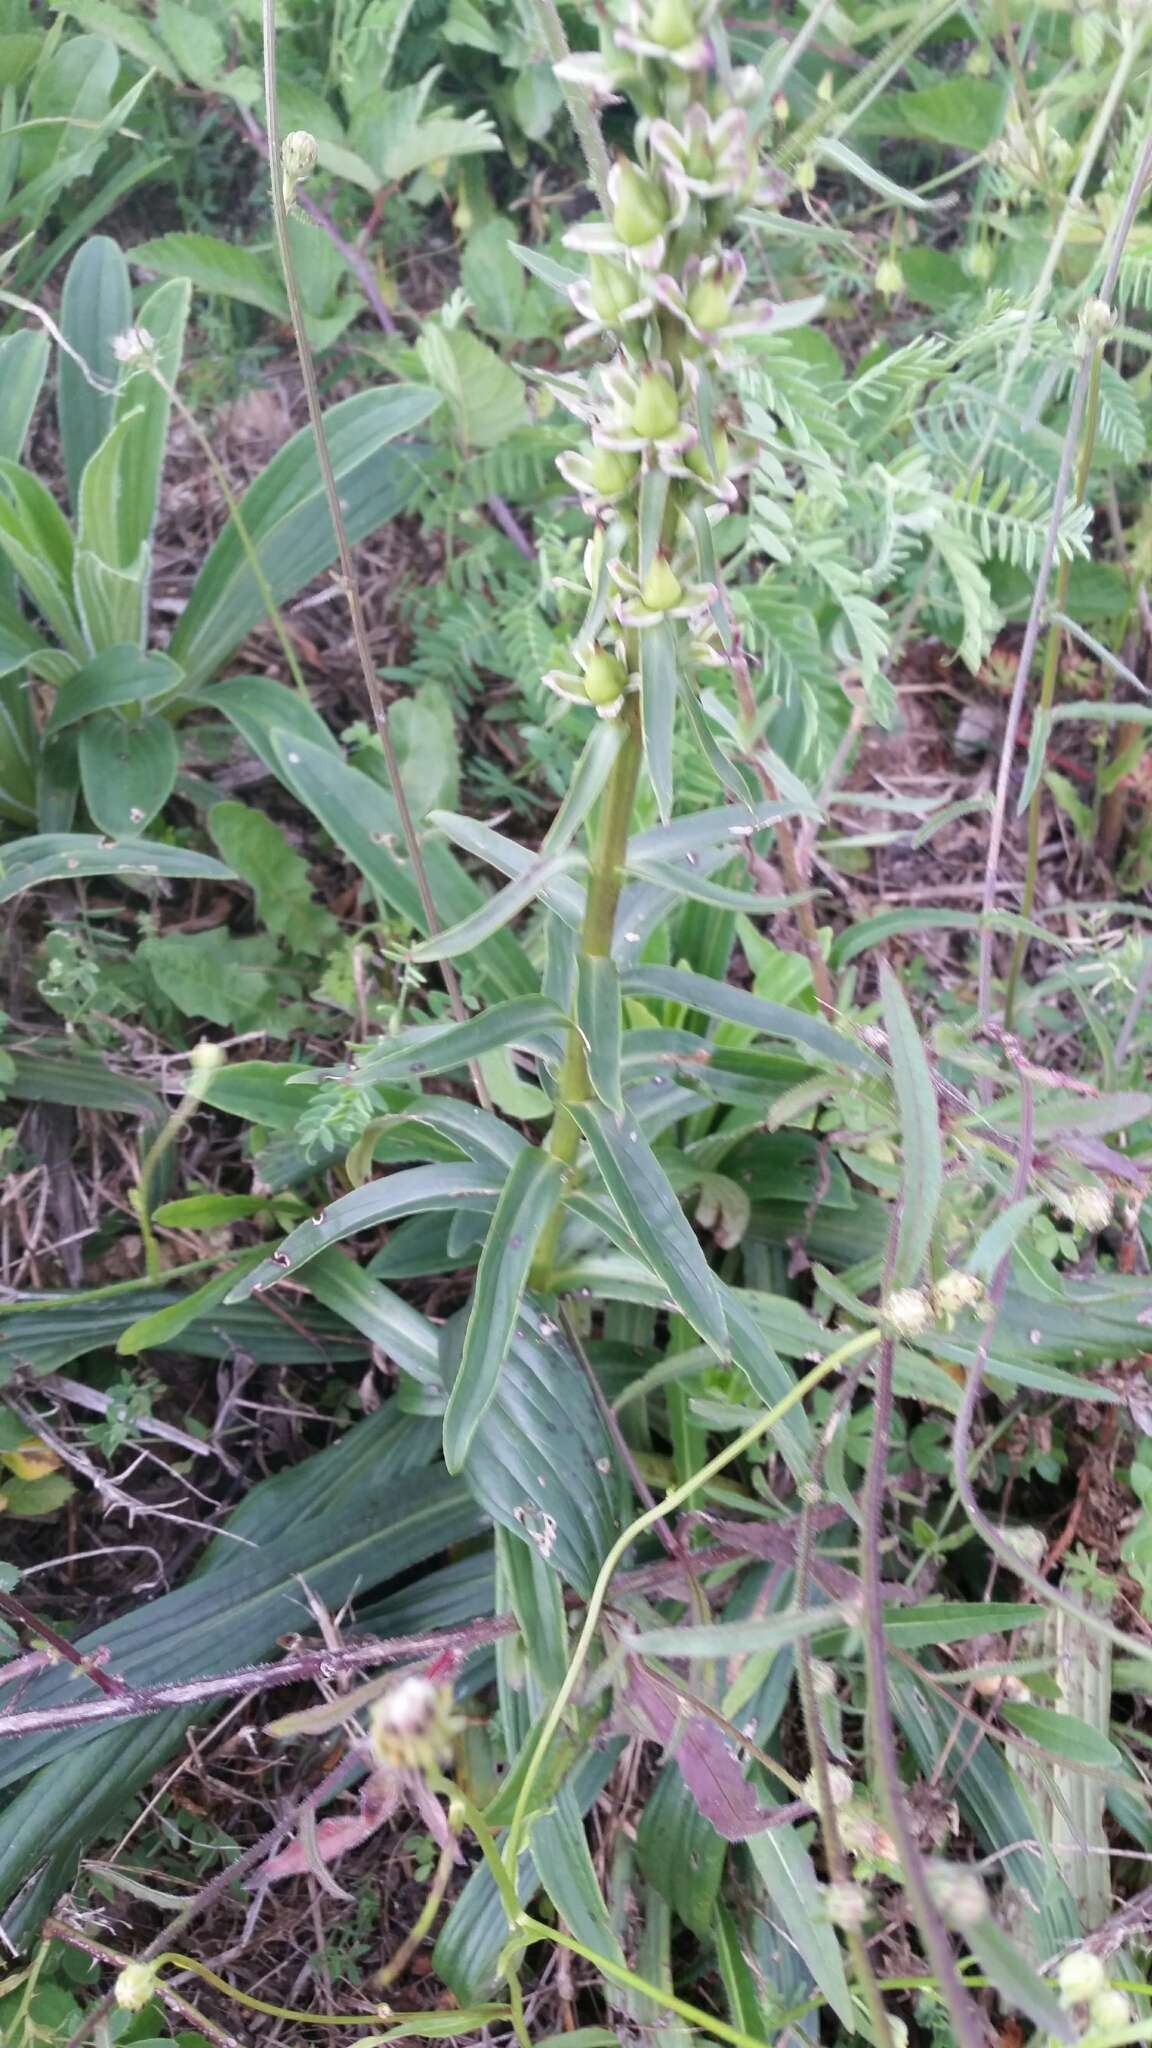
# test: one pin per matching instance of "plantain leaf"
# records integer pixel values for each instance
(923, 1176)
(286, 515)
(643, 1195)
(73, 856)
(95, 307)
(127, 770)
(121, 675)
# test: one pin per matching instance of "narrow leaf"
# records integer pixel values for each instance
(659, 688)
(598, 1014)
(923, 1178)
(527, 1200)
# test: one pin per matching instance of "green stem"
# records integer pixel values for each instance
(580, 108)
(862, 1341)
(1048, 684)
(619, 1973)
(605, 881)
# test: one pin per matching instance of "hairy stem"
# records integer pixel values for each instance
(580, 109)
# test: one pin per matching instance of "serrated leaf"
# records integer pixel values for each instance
(258, 851)
(526, 1202)
(922, 1180)
(643, 1195)
(127, 770)
(487, 398)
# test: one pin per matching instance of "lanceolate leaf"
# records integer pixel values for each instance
(716, 999)
(786, 1872)
(73, 856)
(641, 1192)
(599, 1018)
(923, 1177)
(411, 1193)
(95, 307)
(498, 911)
(659, 687)
(530, 1022)
(121, 675)
(527, 1200)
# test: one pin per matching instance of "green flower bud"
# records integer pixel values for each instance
(806, 176)
(889, 277)
(671, 23)
(656, 411)
(612, 471)
(611, 288)
(1080, 1977)
(697, 457)
(298, 155)
(978, 262)
(641, 209)
(205, 1057)
(709, 305)
(605, 679)
(661, 588)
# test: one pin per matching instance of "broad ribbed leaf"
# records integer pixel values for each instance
(23, 363)
(163, 315)
(358, 1514)
(64, 1073)
(44, 1335)
(73, 856)
(644, 1197)
(923, 1177)
(527, 1200)
(411, 1193)
(286, 515)
(37, 540)
(95, 307)
(541, 1462)
(121, 675)
(680, 1852)
(127, 770)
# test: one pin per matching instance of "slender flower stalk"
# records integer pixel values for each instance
(662, 449)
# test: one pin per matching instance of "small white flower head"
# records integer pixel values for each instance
(135, 1986)
(824, 1681)
(135, 348)
(412, 1725)
(958, 1895)
(907, 1312)
(1081, 1977)
(846, 1905)
(1110, 2009)
(1087, 1206)
(1096, 321)
(955, 1292)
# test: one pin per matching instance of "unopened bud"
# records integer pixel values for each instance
(1109, 2009)
(979, 262)
(709, 305)
(298, 156)
(205, 1057)
(1080, 1976)
(656, 411)
(670, 23)
(640, 210)
(412, 1725)
(661, 588)
(889, 279)
(1097, 319)
(612, 472)
(805, 175)
(611, 288)
(605, 679)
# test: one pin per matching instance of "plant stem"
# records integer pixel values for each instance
(1048, 679)
(605, 881)
(618, 1973)
(580, 108)
(348, 577)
